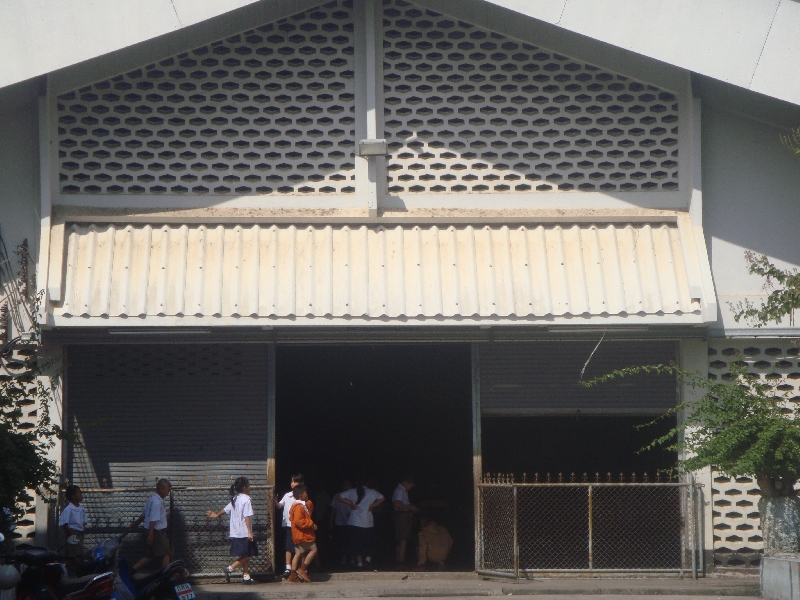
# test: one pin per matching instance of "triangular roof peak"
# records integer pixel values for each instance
(749, 44)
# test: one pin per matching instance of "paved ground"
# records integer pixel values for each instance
(423, 585)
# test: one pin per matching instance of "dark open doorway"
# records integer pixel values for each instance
(381, 411)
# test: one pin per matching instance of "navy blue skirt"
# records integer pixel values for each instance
(361, 541)
(243, 547)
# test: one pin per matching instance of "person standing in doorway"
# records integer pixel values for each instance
(339, 517)
(285, 504)
(243, 546)
(403, 518)
(154, 517)
(303, 534)
(362, 500)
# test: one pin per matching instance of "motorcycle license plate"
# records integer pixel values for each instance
(184, 591)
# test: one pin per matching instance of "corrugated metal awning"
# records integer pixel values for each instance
(169, 274)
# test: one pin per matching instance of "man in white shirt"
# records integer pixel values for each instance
(403, 517)
(154, 517)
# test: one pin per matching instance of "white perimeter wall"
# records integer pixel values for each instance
(751, 200)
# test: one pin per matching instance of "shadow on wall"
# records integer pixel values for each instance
(751, 186)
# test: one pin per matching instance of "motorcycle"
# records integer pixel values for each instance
(168, 583)
(45, 578)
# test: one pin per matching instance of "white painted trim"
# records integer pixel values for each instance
(333, 216)
(165, 201)
(489, 201)
(696, 200)
(369, 101)
(45, 205)
(584, 200)
(709, 302)
(554, 38)
(692, 262)
(211, 321)
(685, 121)
(155, 49)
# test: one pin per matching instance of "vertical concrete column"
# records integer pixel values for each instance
(51, 357)
(271, 440)
(477, 458)
(694, 357)
(368, 60)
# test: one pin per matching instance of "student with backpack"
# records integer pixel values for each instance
(243, 546)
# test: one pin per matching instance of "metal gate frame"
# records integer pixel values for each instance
(202, 543)
(691, 531)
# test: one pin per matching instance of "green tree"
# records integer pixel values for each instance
(27, 433)
(740, 426)
(781, 302)
(24, 445)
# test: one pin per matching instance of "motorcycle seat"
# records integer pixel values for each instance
(76, 584)
(140, 580)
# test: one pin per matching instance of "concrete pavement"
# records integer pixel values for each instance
(469, 585)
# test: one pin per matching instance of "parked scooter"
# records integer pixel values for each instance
(45, 578)
(169, 583)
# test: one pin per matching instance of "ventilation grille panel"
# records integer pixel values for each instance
(268, 111)
(471, 110)
(737, 525)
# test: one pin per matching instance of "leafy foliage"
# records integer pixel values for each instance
(782, 301)
(791, 140)
(23, 445)
(739, 427)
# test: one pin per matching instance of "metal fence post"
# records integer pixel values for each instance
(591, 550)
(516, 537)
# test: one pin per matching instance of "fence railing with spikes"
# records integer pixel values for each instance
(569, 522)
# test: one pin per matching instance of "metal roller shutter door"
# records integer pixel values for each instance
(543, 378)
(176, 411)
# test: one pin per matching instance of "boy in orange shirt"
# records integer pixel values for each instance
(303, 536)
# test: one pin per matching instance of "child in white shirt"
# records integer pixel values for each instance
(73, 521)
(154, 517)
(362, 500)
(243, 546)
(285, 504)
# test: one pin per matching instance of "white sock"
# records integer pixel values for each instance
(246, 577)
(288, 567)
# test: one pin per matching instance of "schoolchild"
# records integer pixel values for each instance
(285, 504)
(303, 536)
(73, 521)
(435, 543)
(154, 518)
(403, 517)
(243, 547)
(362, 500)
(339, 516)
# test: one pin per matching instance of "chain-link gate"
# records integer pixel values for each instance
(202, 543)
(537, 528)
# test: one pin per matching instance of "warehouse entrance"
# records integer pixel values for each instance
(379, 412)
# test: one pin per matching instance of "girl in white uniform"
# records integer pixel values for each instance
(362, 500)
(240, 508)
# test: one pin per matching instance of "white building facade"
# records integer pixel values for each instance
(359, 173)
